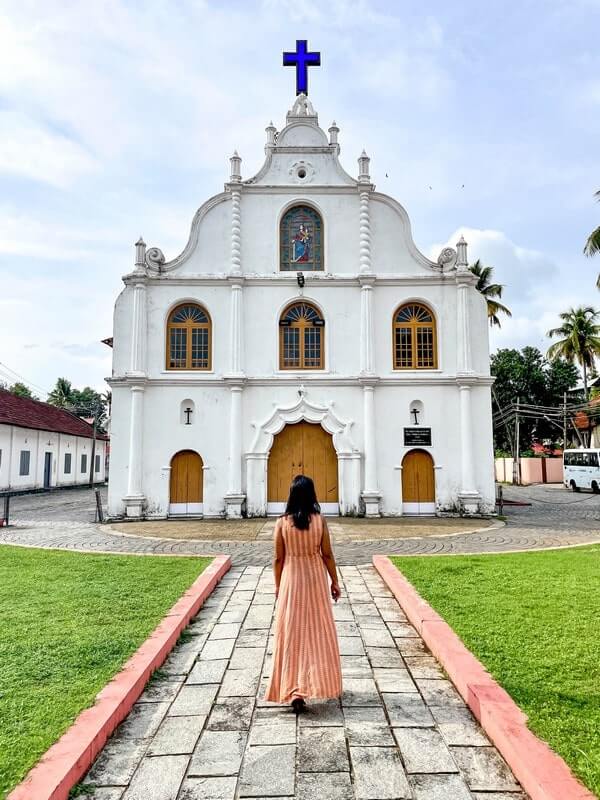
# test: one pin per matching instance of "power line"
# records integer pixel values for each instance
(6, 370)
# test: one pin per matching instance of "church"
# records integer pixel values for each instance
(300, 330)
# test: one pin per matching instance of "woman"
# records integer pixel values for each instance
(306, 659)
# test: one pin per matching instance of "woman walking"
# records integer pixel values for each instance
(306, 659)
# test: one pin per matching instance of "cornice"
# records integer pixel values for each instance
(289, 279)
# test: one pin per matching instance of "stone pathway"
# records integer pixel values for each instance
(202, 732)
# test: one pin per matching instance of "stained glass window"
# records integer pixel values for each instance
(301, 240)
(414, 338)
(301, 338)
(189, 338)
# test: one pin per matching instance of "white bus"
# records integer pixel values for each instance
(581, 469)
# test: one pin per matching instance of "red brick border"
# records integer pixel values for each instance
(542, 773)
(70, 758)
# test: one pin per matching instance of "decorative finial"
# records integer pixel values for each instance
(236, 166)
(333, 133)
(301, 59)
(271, 131)
(461, 262)
(363, 168)
(140, 255)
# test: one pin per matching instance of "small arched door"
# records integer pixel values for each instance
(303, 448)
(186, 488)
(418, 483)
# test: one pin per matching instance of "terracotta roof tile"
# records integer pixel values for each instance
(27, 413)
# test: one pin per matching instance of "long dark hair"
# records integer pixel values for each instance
(302, 501)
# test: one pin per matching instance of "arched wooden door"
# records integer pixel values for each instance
(303, 448)
(418, 483)
(186, 489)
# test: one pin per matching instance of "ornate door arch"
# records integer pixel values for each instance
(418, 483)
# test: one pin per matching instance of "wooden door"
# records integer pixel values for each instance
(47, 469)
(186, 482)
(302, 449)
(418, 484)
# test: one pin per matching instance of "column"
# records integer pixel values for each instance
(134, 501)
(366, 326)
(464, 281)
(138, 330)
(371, 494)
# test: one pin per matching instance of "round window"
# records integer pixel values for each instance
(301, 173)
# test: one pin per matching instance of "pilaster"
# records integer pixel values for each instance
(371, 495)
(135, 499)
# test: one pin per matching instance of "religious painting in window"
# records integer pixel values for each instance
(301, 340)
(189, 338)
(415, 345)
(301, 240)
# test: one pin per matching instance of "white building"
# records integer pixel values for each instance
(42, 446)
(369, 372)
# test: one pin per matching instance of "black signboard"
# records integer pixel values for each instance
(417, 437)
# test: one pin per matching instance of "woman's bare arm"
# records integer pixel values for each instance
(279, 555)
(329, 560)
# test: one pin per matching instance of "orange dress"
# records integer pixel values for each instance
(306, 657)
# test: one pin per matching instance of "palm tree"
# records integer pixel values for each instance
(62, 394)
(489, 291)
(580, 330)
(592, 246)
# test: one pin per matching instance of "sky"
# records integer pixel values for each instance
(118, 119)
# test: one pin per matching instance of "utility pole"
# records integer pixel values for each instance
(564, 420)
(516, 459)
(95, 425)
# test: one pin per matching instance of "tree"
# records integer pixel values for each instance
(490, 291)
(592, 245)
(581, 339)
(530, 378)
(62, 394)
(21, 390)
(88, 402)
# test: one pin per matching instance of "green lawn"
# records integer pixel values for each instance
(533, 619)
(68, 621)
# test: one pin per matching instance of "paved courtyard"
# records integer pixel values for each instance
(203, 732)
(64, 519)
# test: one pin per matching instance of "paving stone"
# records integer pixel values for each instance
(241, 595)
(392, 614)
(364, 610)
(367, 727)
(394, 680)
(378, 774)
(351, 646)
(342, 612)
(439, 787)
(217, 650)
(247, 658)
(439, 692)
(360, 692)
(358, 597)
(258, 617)
(225, 631)
(324, 786)
(106, 793)
(208, 789)
(231, 714)
(371, 622)
(322, 713)
(424, 750)
(407, 710)
(377, 637)
(182, 659)
(322, 750)
(229, 617)
(499, 796)
(239, 683)
(402, 629)
(273, 726)
(157, 778)
(253, 638)
(484, 769)
(177, 735)
(347, 629)
(194, 699)
(207, 672)
(424, 666)
(218, 753)
(458, 726)
(409, 646)
(142, 721)
(355, 667)
(260, 695)
(116, 763)
(384, 657)
(268, 771)
(161, 690)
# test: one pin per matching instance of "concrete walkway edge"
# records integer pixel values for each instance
(542, 772)
(70, 758)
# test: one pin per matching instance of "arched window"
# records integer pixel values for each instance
(301, 240)
(301, 341)
(189, 338)
(415, 345)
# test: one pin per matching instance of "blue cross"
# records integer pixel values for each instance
(301, 59)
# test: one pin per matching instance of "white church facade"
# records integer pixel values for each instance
(300, 331)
